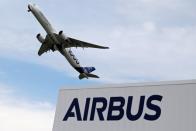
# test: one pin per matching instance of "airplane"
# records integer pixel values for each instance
(59, 42)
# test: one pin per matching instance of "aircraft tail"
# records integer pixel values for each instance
(88, 69)
(87, 75)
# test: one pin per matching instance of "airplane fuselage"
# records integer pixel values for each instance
(57, 44)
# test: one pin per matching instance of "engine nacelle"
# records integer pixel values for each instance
(62, 36)
(40, 38)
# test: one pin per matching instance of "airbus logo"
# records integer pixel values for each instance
(115, 109)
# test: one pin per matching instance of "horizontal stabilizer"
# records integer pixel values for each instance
(92, 75)
(84, 75)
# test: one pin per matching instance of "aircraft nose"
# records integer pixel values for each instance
(29, 7)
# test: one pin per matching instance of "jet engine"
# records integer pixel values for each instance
(64, 39)
(62, 36)
(40, 38)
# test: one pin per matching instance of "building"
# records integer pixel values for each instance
(159, 106)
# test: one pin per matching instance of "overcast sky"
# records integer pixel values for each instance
(149, 40)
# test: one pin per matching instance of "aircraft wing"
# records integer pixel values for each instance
(78, 43)
(46, 46)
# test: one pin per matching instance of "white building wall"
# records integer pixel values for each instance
(178, 107)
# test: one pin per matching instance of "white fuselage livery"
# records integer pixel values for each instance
(51, 31)
(58, 41)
